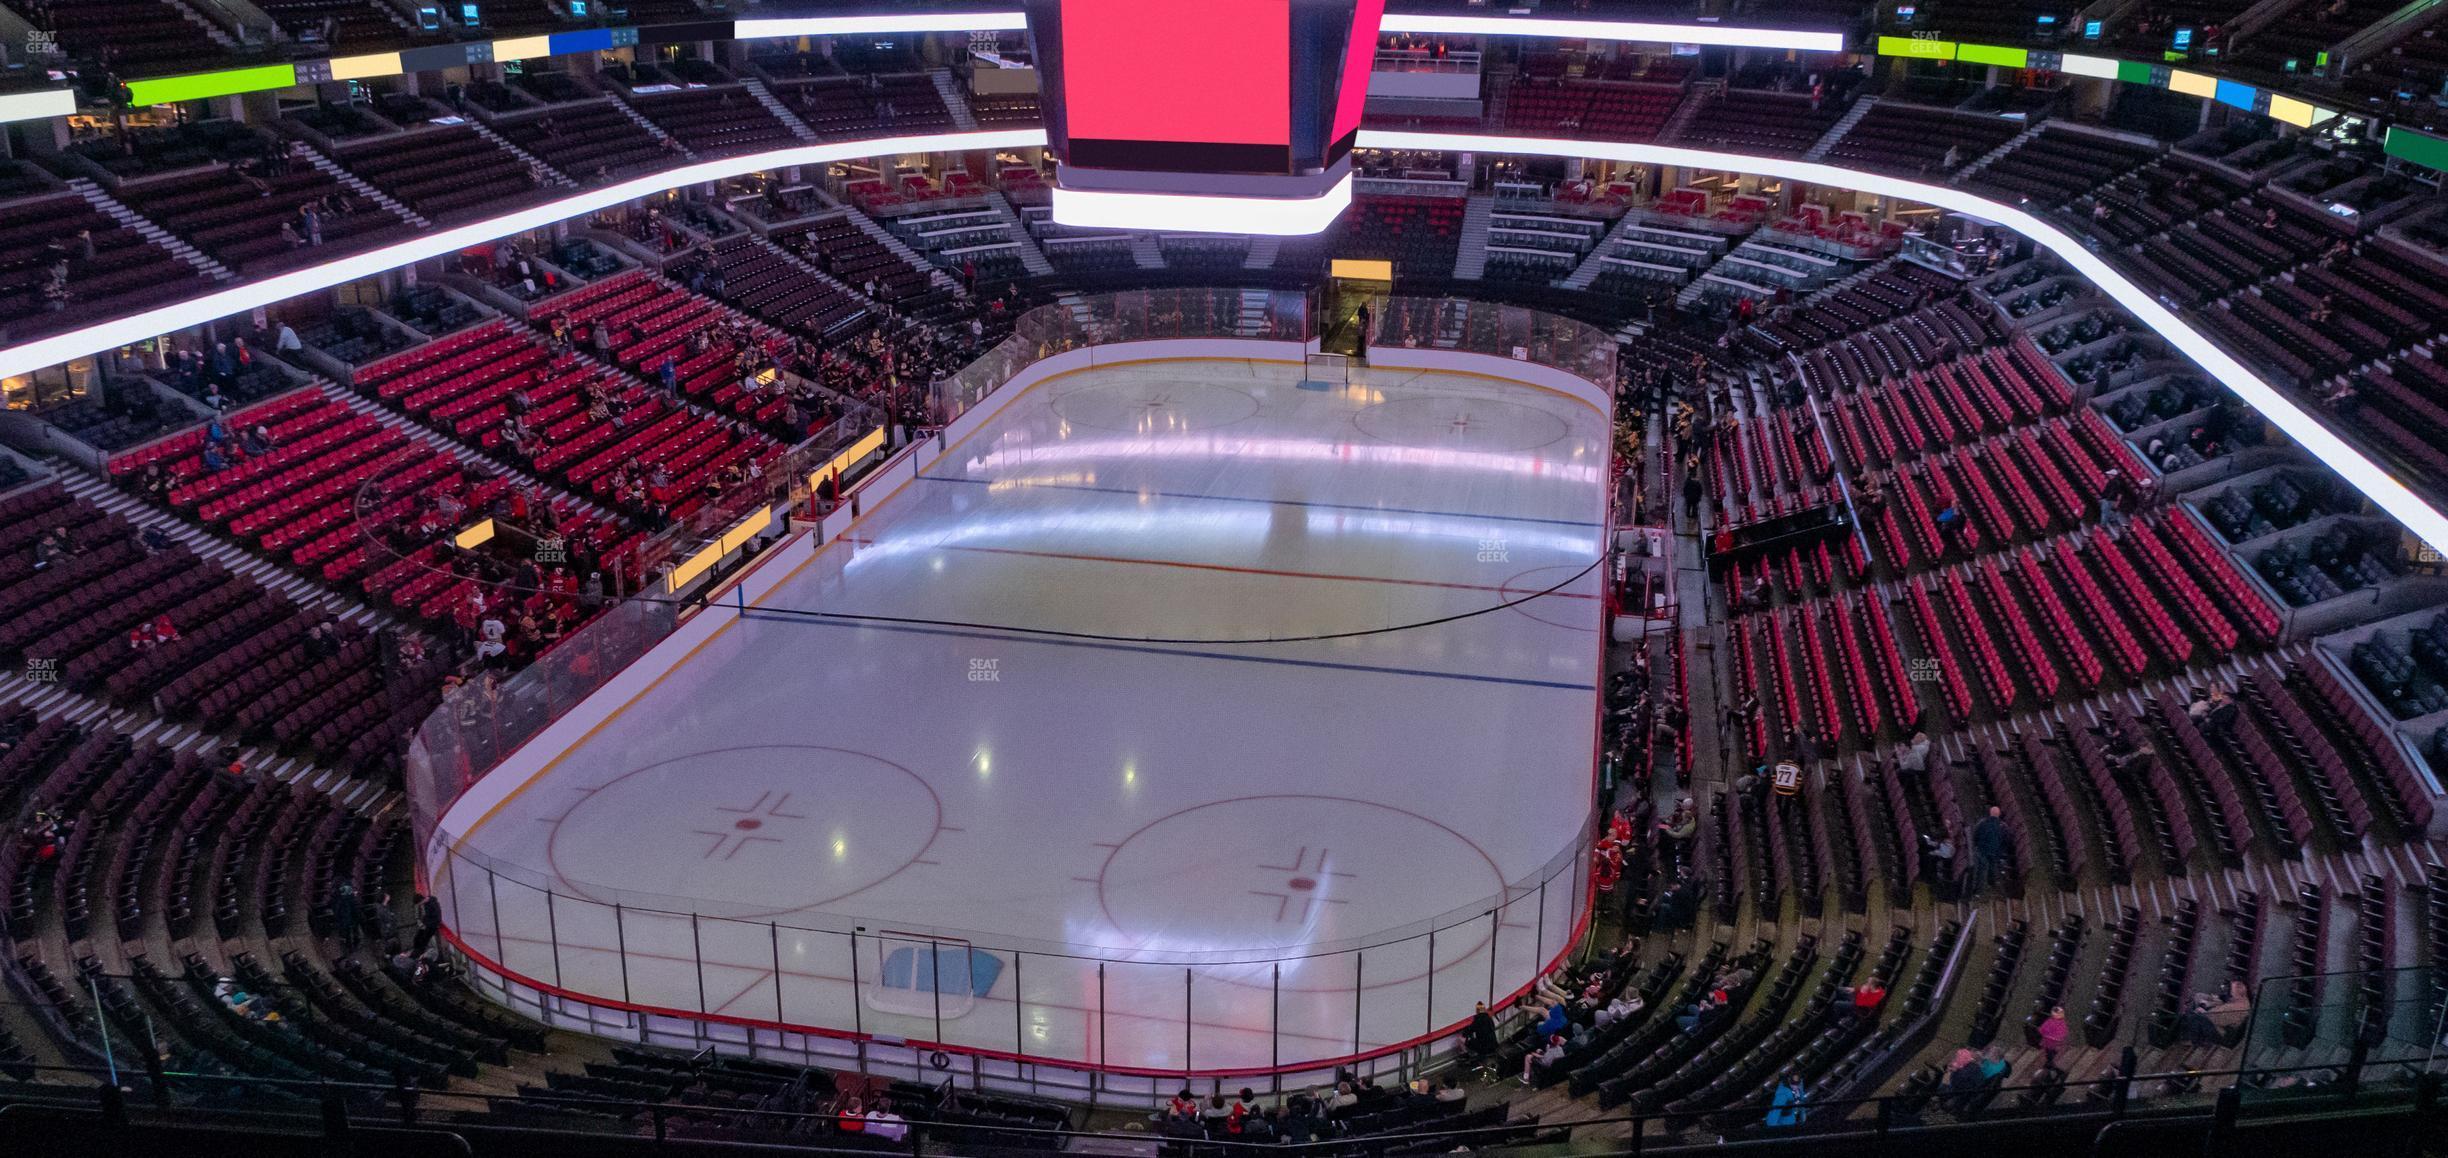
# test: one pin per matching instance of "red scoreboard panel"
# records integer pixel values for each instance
(1238, 115)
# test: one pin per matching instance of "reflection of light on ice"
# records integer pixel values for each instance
(1074, 479)
(1247, 449)
(1250, 522)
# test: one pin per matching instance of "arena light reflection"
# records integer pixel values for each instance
(1229, 447)
(878, 24)
(1638, 30)
(1202, 213)
(2367, 476)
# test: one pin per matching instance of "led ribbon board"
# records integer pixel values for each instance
(232, 82)
(2235, 94)
(2417, 148)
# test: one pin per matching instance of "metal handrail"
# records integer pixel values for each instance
(1642, 1125)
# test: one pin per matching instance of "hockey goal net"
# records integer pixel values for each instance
(929, 976)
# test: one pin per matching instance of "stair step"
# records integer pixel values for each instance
(1471, 263)
(955, 101)
(1032, 255)
(149, 230)
(356, 183)
(487, 132)
(652, 129)
(782, 112)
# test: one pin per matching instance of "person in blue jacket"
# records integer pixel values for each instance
(1785, 1107)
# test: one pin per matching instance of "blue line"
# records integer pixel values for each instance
(1146, 649)
(1267, 502)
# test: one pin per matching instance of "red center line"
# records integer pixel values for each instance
(1230, 569)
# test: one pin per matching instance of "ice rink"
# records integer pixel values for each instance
(1048, 705)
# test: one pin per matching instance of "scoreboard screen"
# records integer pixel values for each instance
(1251, 105)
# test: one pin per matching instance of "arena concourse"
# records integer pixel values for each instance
(1355, 577)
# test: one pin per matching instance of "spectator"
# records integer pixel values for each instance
(1679, 830)
(239, 1001)
(2116, 493)
(1938, 862)
(1963, 1079)
(1914, 759)
(381, 921)
(344, 908)
(1479, 1038)
(1867, 997)
(1950, 520)
(2220, 719)
(2052, 1035)
(1626, 1003)
(1785, 1106)
(1988, 851)
(491, 638)
(429, 923)
(1552, 1053)
(50, 547)
(1556, 1020)
(883, 1123)
(2217, 1021)
(1343, 1098)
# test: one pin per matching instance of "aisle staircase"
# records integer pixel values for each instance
(482, 129)
(898, 248)
(1844, 124)
(1986, 159)
(356, 184)
(652, 129)
(955, 101)
(1145, 251)
(1032, 255)
(1471, 262)
(218, 35)
(130, 219)
(782, 112)
(1262, 252)
(1702, 92)
(1591, 263)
